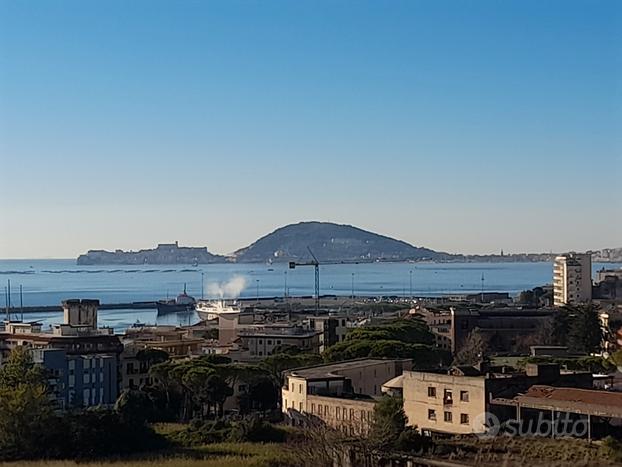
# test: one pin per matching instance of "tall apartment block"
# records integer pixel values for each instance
(572, 279)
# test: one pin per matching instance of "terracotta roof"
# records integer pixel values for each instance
(583, 401)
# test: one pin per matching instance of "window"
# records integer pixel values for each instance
(464, 418)
(300, 388)
(338, 413)
(312, 408)
(464, 396)
(269, 342)
(447, 417)
(448, 397)
(431, 391)
(351, 414)
(300, 406)
(431, 414)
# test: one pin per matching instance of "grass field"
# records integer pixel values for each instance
(213, 455)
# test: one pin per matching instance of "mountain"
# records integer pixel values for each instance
(330, 242)
(165, 253)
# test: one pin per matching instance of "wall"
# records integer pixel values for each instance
(417, 402)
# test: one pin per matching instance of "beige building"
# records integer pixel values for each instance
(572, 279)
(341, 395)
(445, 403)
(457, 401)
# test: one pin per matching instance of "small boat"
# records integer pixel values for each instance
(211, 309)
(183, 303)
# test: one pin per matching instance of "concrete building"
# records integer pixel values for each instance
(504, 327)
(603, 274)
(82, 359)
(175, 341)
(261, 340)
(341, 395)
(331, 329)
(79, 380)
(608, 287)
(572, 279)
(456, 402)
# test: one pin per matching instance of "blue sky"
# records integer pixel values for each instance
(464, 126)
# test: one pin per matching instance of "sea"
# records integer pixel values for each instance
(49, 281)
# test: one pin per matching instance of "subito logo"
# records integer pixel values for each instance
(487, 425)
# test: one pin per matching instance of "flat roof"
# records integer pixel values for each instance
(276, 334)
(333, 370)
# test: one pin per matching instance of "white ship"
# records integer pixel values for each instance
(211, 309)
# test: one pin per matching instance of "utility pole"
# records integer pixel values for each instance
(8, 310)
(482, 287)
(285, 286)
(202, 290)
(257, 292)
(352, 286)
(411, 284)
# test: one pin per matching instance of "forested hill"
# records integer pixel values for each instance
(330, 242)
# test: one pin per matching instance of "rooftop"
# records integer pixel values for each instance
(583, 401)
(333, 370)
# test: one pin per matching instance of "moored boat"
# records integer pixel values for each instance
(182, 303)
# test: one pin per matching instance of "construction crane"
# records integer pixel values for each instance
(316, 265)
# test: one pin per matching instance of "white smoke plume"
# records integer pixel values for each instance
(229, 289)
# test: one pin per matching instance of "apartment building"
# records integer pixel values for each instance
(175, 341)
(572, 279)
(81, 358)
(341, 395)
(261, 340)
(79, 380)
(331, 329)
(451, 325)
